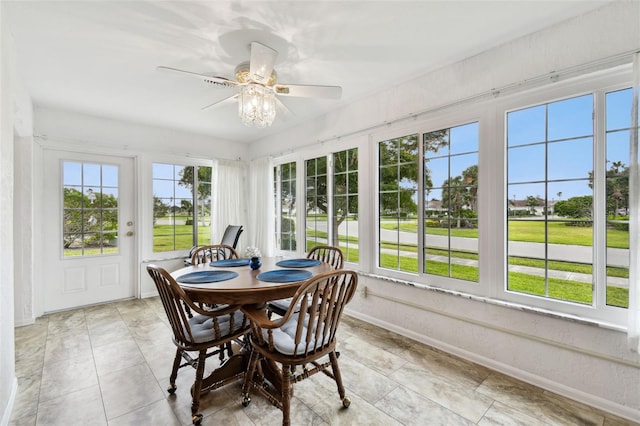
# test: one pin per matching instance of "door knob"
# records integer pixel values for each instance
(129, 233)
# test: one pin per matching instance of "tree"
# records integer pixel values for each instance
(470, 177)
(617, 188)
(204, 180)
(160, 209)
(575, 207)
(88, 217)
(533, 202)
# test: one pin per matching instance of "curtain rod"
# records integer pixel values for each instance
(553, 76)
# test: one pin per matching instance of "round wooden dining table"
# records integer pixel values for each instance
(245, 288)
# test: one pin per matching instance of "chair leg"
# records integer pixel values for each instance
(338, 378)
(286, 394)
(248, 377)
(174, 372)
(197, 386)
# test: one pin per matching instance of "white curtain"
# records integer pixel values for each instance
(260, 215)
(634, 219)
(229, 199)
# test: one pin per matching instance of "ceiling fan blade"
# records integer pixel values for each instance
(282, 111)
(306, 91)
(216, 81)
(226, 101)
(263, 59)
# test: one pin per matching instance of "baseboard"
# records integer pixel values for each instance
(148, 294)
(6, 416)
(550, 385)
(21, 323)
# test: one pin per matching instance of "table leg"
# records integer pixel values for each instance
(233, 369)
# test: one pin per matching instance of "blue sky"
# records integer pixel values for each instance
(555, 142)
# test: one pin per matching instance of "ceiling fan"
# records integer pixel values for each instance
(257, 85)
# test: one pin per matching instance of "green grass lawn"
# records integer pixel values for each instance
(527, 231)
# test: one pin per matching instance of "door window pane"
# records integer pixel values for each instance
(90, 209)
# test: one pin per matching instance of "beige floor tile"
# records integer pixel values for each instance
(502, 415)
(66, 376)
(117, 355)
(157, 413)
(129, 389)
(410, 408)
(361, 350)
(67, 345)
(462, 400)
(82, 407)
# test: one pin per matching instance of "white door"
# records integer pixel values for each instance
(88, 246)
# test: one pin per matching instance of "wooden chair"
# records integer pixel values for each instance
(327, 254)
(208, 333)
(298, 339)
(210, 253)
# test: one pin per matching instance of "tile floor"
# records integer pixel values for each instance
(109, 365)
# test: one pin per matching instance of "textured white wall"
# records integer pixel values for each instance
(585, 362)
(87, 131)
(8, 383)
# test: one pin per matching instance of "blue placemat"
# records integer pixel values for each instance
(230, 262)
(284, 275)
(298, 263)
(200, 277)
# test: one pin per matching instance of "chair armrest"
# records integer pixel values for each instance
(259, 317)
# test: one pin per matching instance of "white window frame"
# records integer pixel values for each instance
(598, 85)
(146, 201)
(437, 121)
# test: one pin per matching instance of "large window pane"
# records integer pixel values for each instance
(550, 200)
(316, 202)
(618, 107)
(398, 183)
(450, 198)
(345, 203)
(287, 205)
(181, 206)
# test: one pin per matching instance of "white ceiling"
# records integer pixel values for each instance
(100, 57)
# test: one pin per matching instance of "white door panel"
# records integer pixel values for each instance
(88, 241)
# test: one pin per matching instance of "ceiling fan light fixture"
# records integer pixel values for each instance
(256, 105)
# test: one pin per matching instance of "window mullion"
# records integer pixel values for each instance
(599, 202)
(194, 203)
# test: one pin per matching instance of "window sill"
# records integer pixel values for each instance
(501, 303)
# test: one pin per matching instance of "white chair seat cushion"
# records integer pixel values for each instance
(202, 326)
(284, 338)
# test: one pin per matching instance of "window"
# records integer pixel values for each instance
(568, 186)
(317, 202)
(398, 203)
(90, 214)
(345, 204)
(450, 202)
(181, 206)
(617, 134)
(447, 208)
(286, 206)
(550, 221)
